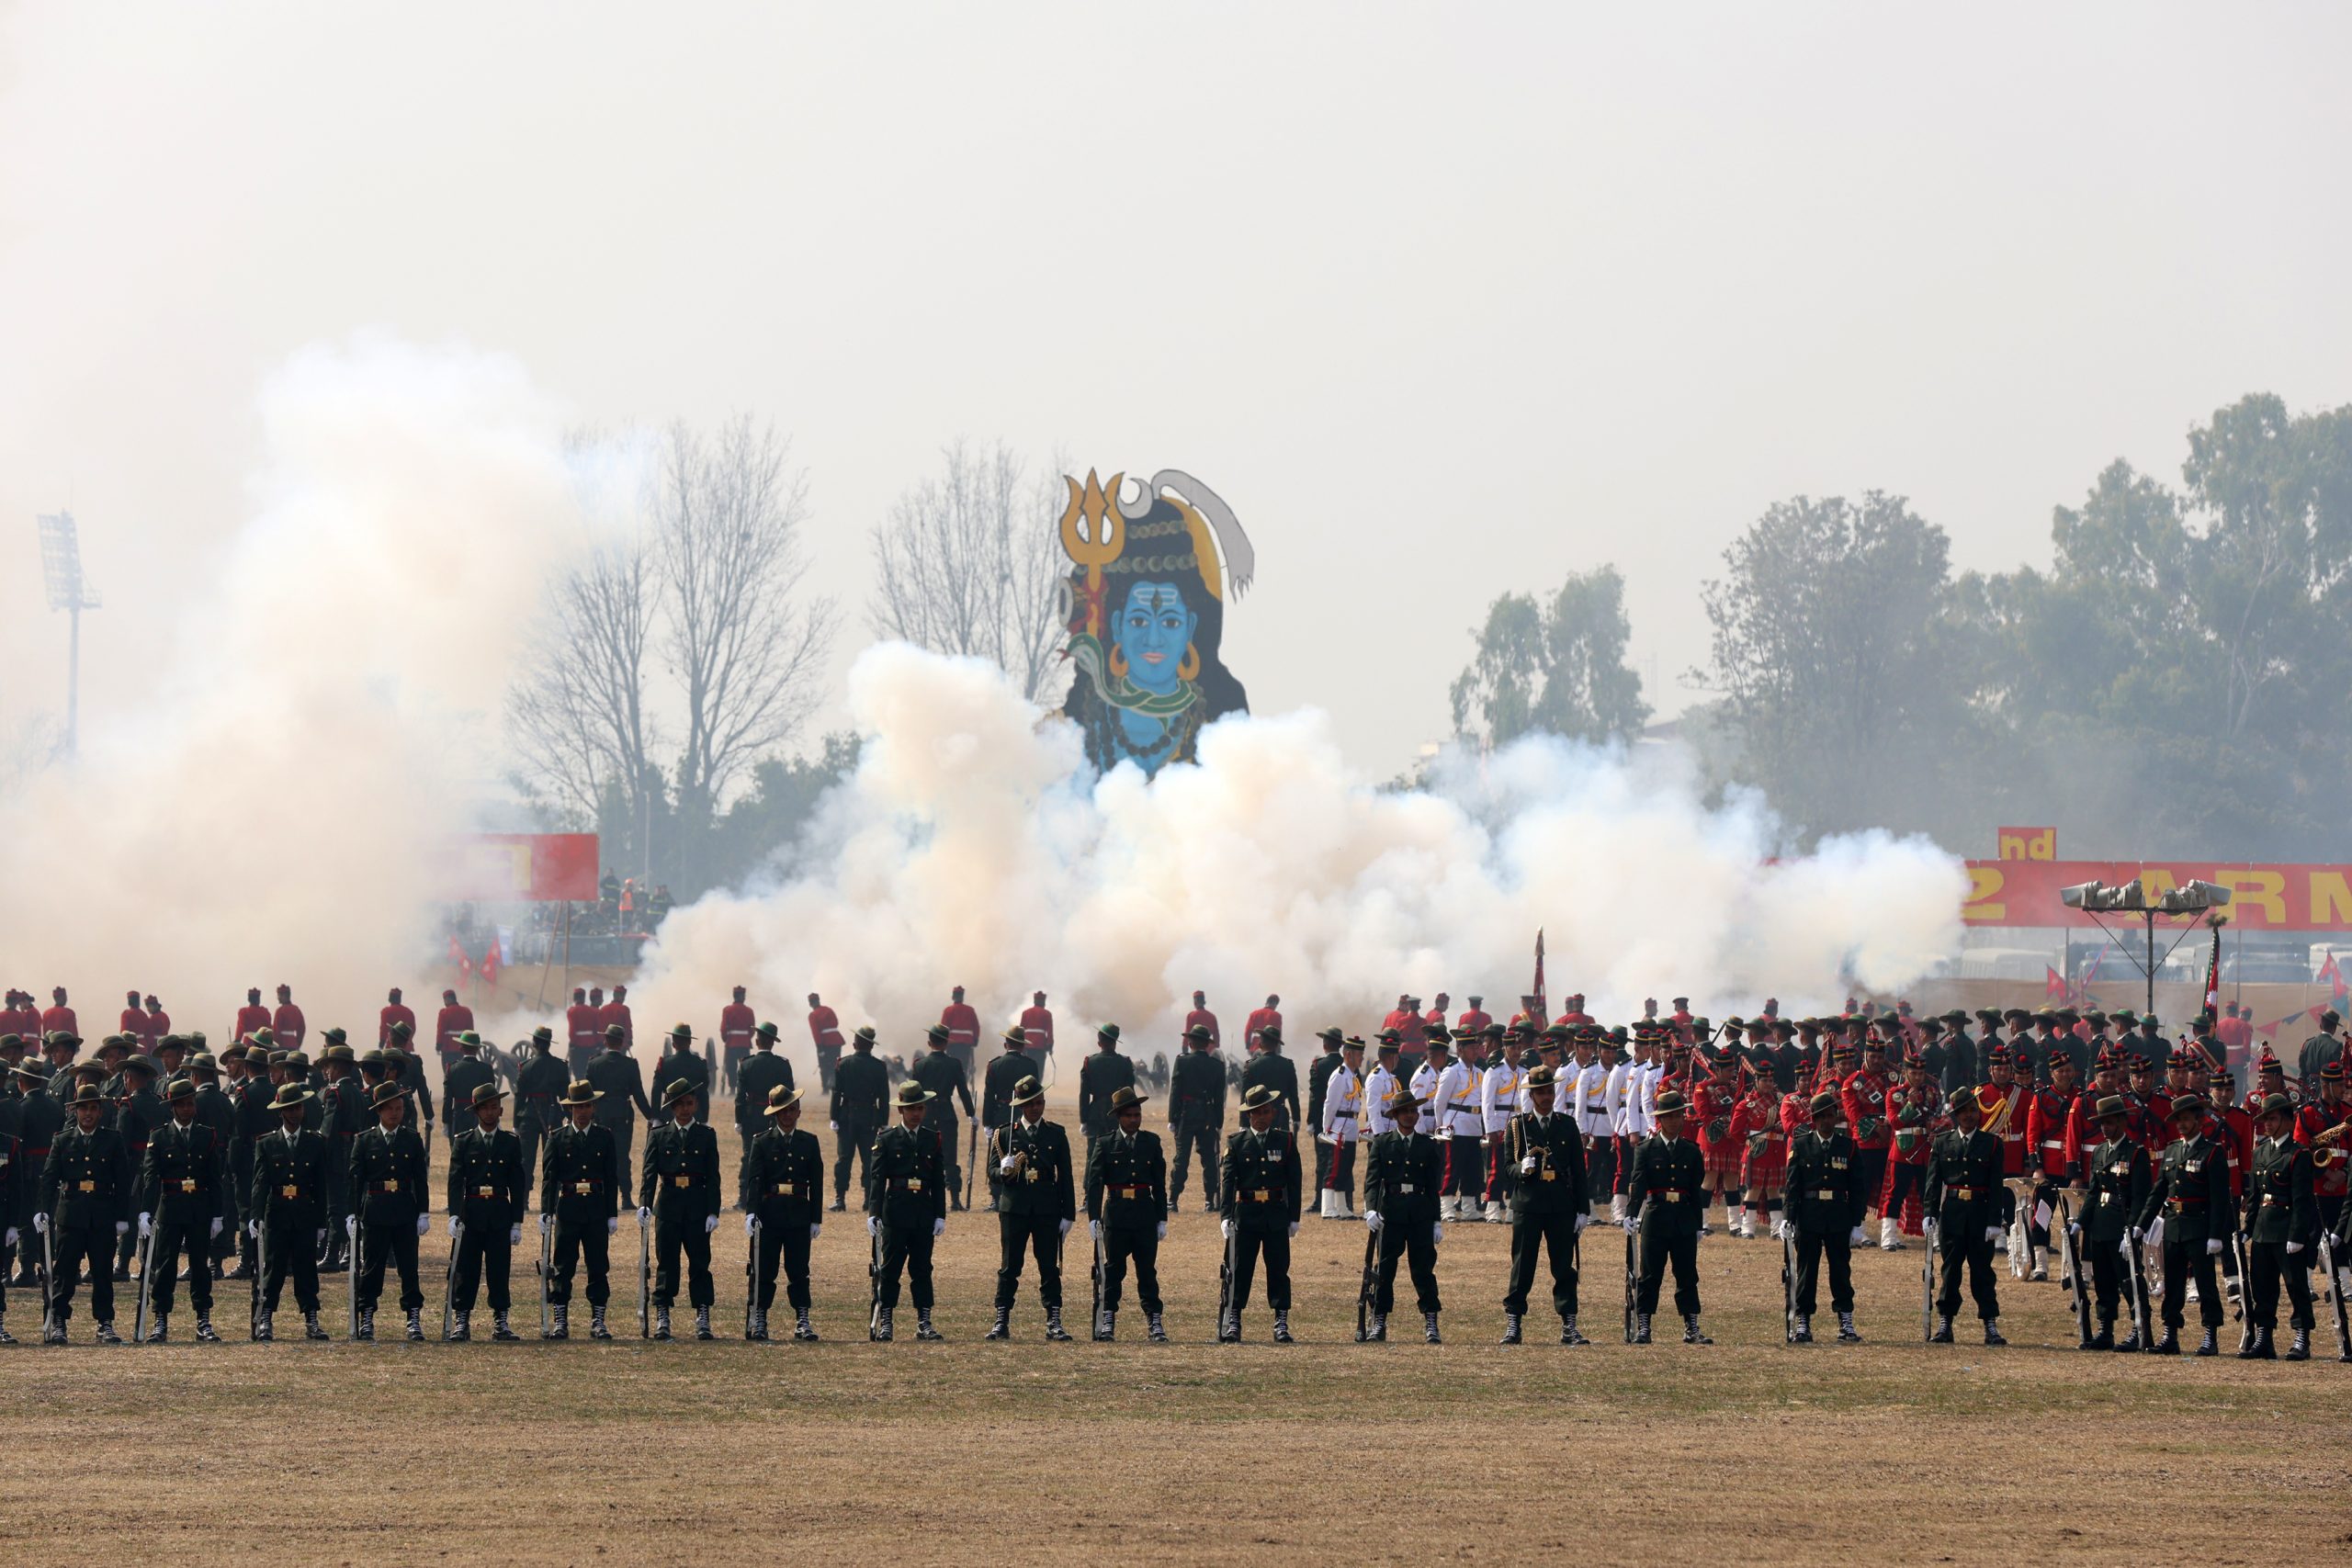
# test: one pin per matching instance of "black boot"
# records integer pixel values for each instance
(1054, 1329)
(1993, 1333)
(923, 1330)
(311, 1328)
(416, 1323)
(1154, 1330)
(1568, 1335)
(1690, 1335)
(561, 1327)
(501, 1329)
(204, 1334)
(883, 1330)
(2210, 1344)
(597, 1328)
(702, 1324)
(1641, 1328)
(1282, 1328)
(1378, 1332)
(1002, 1327)
(2103, 1340)
(660, 1323)
(1801, 1331)
(1106, 1325)
(1942, 1336)
(2252, 1349)
(1429, 1330)
(2129, 1344)
(801, 1328)
(1846, 1333)
(2298, 1348)
(2168, 1345)
(1511, 1328)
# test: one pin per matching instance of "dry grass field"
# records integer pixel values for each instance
(1323, 1451)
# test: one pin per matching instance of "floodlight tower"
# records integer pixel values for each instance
(2132, 897)
(61, 568)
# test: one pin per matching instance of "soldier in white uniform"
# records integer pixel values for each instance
(1454, 1108)
(1372, 1117)
(1424, 1084)
(1588, 1100)
(1343, 1127)
(1499, 1094)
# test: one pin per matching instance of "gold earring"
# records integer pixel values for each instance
(1189, 667)
(1118, 662)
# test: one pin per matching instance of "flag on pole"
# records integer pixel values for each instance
(489, 962)
(2054, 983)
(457, 956)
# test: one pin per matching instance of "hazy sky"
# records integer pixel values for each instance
(1443, 301)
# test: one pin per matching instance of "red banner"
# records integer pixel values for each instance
(537, 868)
(2269, 898)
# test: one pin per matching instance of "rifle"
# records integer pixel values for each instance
(358, 1239)
(1095, 1227)
(1632, 1278)
(752, 1276)
(1363, 1285)
(2241, 1255)
(972, 1151)
(2336, 1291)
(1789, 1275)
(874, 1282)
(2139, 1289)
(48, 1276)
(1225, 1303)
(146, 1284)
(1927, 1283)
(2074, 1258)
(546, 1267)
(644, 1280)
(450, 1280)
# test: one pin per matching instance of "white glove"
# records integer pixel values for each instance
(874, 1225)
(815, 1228)
(938, 1229)
(2123, 1249)
(547, 1223)
(709, 1224)
(252, 1227)
(750, 1225)
(216, 1231)
(320, 1234)
(1582, 1221)
(2293, 1248)
(2074, 1229)
(453, 1226)
(40, 1222)
(2212, 1247)
(1065, 1230)
(1928, 1226)
(9, 1239)
(1437, 1232)
(612, 1224)
(146, 1224)
(1005, 1166)
(1294, 1228)
(644, 1217)
(1855, 1237)
(1632, 1224)
(1094, 1229)
(351, 1225)
(1225, 1230)
(1163, 1231)
(1372, 1220)
(834, 1126)
(1993, 1232)
(122, 1227)
(515, 1234)
(2136, 1233)
(1527, 1166)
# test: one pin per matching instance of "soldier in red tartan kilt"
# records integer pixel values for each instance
(1915, 1110)
(1712, 1104)
(1756, 1126)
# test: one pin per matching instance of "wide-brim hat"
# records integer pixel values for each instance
(1109, 1034)
(466, 1038)
(1270, 1035)
(936, 1034)
(1333, 1034)
(290, 1096)
(179, 1088)
(60, 1037)
(581, 1093)
(2277, 1105)
(1201, 1032)
(486, 1094)
(543, 1035)
(1016, 1035)
(1823, 1101)
(202, 1062)
(1671, 1103)
(1404, 1099)
(339, 1052)
(615, 1031)
(1258, 1096)
(681, 1032)
(89, 1094)
(765, 1030)
(679, 1088)
(385, 1093)
(783, 1096)
(910, 1094)
(1541, 1078)
(863, 1036)
(334, 1036)
(2189, 1104)
(1128, 1096)
(138, 1062)
(2112, 1105)
(1026, 1089)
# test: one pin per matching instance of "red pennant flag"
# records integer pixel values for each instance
(489, 962)
(2054, 983)
(2269, 1031)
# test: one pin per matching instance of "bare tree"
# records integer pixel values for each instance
(579, 708)
(969, 563)
(746, 653)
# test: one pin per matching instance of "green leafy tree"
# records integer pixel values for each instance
(1555, 668)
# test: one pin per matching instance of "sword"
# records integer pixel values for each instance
(1927, 1285)
(1363, 1285)
(449, 1280)
(2335, 1289)
(644, 1280)
(546, 1267)
(1789, 1275)
(358, 1240)
(1631, 1278)
(49, 1277)
(752, 1276)
(874, 1284)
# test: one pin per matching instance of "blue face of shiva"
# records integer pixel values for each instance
(1154, 629)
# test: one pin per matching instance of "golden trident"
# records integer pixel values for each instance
(1099, 543)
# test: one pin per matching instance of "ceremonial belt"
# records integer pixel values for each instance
(1344, 1116)
(2185, 1201)
(1404, 1187)
(784, 1190)
(2053, 1143)
(485, 1191)
(585, 1188)
(907, 1183)
(390, 1184)
(1544, 1175)
(86, 1187)
(1825, 1194)
(294, 1191)
(1257, 1195)
(1963, 1193)
(187, 1184)
(1130, 1192)
(1670, 1194)
(681, 1179)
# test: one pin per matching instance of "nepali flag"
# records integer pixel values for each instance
(489, 962)
(2054, 983)
(2333, 973)
(457, 956)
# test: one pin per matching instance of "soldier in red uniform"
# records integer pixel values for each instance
(1759, 1128)
(134, 1019)
(582, 1036)
(2003, 1104)
(250, 1016)
(1475, 1017)
(825, 1033)
(1413, 1035)
(1037, 1025)
(617, 1011)
(2320, 1126)
(962, 1021)
(394, 1011)
(1436, 1015)
(1260, 1020)
(1915, 1107)
(1863, 1098)
(1576, 1017)
(2056, 1157)
(736, 1024)
(156, 1024)
(2235, 1032)
(1712, 1102)
(1201, 1018)
(453, 1019)
(287, 1023)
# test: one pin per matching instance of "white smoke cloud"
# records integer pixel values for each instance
(264, 814)
(973, 846)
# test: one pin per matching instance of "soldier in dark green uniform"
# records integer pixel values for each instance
(217, 1112)
(1099, 1077)
(488, 1183)
(464, 1073)
(680, 1064)
(1667, 1188)
(39, 1119)
(1257, 1180)
(388, 1183)
(783, 1175)
(1319, 1083)
(2282, 1225)
(1824, 1202)
(179, 1200)
(287, 1206)
(1277, 1074)
(678, 1196)
(403, 1066)
(1030, 1159)
(620, 1099)
(343, 1117)
(1196, 1090)
(1968, 1209)
(2191, 1192)
(861, 1102)
(1401, 1176)
(906, 1203)
(249, 1089)
(1550, 1204)
(996, 1096)
(540, 1084)
(757, 1076)
(85, 1189)
(1126, 1206)
(580, 1203)
(941, 1071)
(2116, 1184)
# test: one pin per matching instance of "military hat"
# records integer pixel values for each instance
(1616, 1037)
(1735, 1021)
(1399, 1100)
(2217, 1079)
(863, 1036)
(2135, 1063)
(2151, 1022)
(1999, 1054)
(936, 1034)
(2329, 1018)
(1016, 1035)
(290, 1096)
(1026, 1088)
(581, 1093)
(2095, 1017)
(377, 1059)
(1932, 1027)
(2331, 1073)
(202, 1062)
(95, 1071)
(1955, 1015)
(12, 1040)
(1258, 1096)
(292, 1061)
(1541, 1078)
(1386, 1045)
(1270, 1035)
(385, 1093)
(613, 1032)
(765, 1030)
(60, 1037)
(2189, 1104)
(339, 1052)
(2277, 1105)
(1823, 1101)
(1126, 1095)
(1670, 1104)
(29, 1070)
(1201, 1032)
(2113, 1105)
(1109, 1032)
(114, 1043)
(681, 1032)
(89, 1094)
(543, 1035)
(783, 1096)
(401, 1030)
(911, 1093)
(1962, 1097)
(2268, 1063)
(468, 1039)
(334, 1036)
(170, 1041)
(486, 1094)
(2069, 1012)
(2123, 1016)
(1332, 1035)
(265, 1037)
(179, 1088)
(140, 1062)
(679, 1088)
(1390, 1036)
